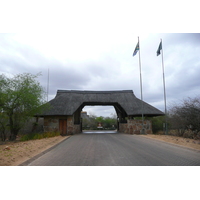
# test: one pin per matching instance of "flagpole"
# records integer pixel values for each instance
(142, 105)
(166, 129)
(48, 85)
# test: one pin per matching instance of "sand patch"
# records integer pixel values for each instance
(15, 153)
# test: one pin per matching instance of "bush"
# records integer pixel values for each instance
(186, 116)
(157, 124)
(35, 136)
(189, 134)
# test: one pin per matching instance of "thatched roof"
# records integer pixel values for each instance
(67, 102)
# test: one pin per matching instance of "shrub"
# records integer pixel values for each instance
(188, 134)
(157, 124)
(34, 136)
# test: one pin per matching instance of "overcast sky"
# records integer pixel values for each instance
(87, 45)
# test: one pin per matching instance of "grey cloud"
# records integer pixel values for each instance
(68, 78)
(20, 58)
(183, 38)
(100, 110)
(113, 68)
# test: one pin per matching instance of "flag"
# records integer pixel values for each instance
(159, 48)
(136, 49)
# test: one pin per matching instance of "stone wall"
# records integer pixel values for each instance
(122, 127)
(71, 127)
(131, 127)
(52, 124)
(77, 128)
(135, 126)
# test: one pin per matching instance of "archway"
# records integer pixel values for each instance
(121, 113)
(99, 118)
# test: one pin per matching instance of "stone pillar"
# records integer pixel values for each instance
(71, 127)
(135, 126)
(123, 127)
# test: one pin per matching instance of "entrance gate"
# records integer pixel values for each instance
(64, 114)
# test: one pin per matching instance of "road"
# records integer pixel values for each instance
(116, 149)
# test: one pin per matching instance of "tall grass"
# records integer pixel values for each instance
(35, 136)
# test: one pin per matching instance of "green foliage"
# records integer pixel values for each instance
(109, 123)
(35, 136)
(99, 119)
(20, 98)
(157, 124)
(3, 125)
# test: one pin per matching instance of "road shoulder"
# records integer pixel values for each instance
(27, 162)
(18, 152)
(180, 141)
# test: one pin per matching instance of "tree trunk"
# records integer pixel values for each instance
(3, 131)
(13, 130)
(3, 135)
(35, 125)
(12, 137)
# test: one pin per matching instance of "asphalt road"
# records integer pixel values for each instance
(116, 149)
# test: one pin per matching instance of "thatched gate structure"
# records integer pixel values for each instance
(64, 114)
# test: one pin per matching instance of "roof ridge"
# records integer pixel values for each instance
(94, 91)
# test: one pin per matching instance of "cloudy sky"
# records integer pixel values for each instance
(88, 45)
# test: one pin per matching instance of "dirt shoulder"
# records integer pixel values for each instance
(15, 153)
(186, 142)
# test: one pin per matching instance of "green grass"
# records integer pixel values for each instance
(35, 136)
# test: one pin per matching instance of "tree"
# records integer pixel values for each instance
(107, 122)
(3, 125)
(20, 98)
(186, 116)
(110, 123)
(99, 119)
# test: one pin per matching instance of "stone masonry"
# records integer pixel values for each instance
(135, 126)
(51, 124)
(131, 127)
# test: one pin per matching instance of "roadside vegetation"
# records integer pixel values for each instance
(21, 97)
(106, 123)
(183, 119)
(34, 136)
